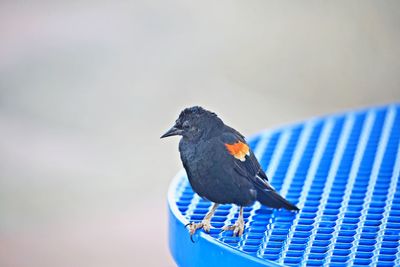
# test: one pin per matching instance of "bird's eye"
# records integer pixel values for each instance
(185, 125)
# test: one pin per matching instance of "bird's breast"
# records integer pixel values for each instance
(198, 159)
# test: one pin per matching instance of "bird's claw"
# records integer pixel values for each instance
(237, 228)
(207, 226)
(193, 227)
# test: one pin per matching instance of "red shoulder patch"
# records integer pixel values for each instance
(239, 150)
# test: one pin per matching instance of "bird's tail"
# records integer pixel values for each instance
(272, 199)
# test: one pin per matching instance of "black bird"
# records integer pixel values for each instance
(221, 167)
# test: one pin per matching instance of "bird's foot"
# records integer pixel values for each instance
(193, 227)
(237, 228)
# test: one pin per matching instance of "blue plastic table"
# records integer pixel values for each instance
(343, 173)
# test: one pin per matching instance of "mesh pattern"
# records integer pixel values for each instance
(342, 172)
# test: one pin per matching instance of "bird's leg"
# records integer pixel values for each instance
(238, 227)
(205, 223)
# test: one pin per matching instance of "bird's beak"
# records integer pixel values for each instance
(171, 132)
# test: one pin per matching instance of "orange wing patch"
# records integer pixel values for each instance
(239, 150)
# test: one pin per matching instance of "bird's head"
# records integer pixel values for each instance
(195, 122)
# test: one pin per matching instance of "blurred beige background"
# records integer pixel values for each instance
(87, 88)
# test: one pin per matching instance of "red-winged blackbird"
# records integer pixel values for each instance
(221, 167)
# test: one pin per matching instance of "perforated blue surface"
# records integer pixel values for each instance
(343, 173)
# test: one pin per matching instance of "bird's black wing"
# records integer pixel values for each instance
(247, 165)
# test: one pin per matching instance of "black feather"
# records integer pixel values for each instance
(213, 172)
